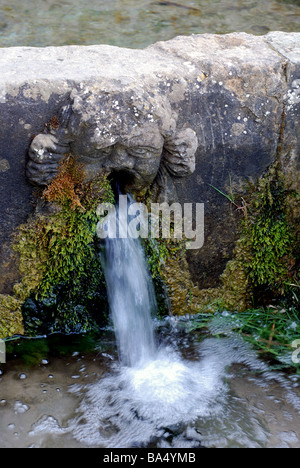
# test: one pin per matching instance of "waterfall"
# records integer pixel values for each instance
(156, 390)
(130, 293)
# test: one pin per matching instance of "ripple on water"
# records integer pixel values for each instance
(224, 397)
(168, 395)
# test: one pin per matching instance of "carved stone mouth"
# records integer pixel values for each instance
(125, 181)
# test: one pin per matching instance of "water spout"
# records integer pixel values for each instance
(131, 296)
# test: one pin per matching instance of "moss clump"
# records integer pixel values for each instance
(68, 236)
(33, 256)
(267, 236)
(11, 322)
(235, 292)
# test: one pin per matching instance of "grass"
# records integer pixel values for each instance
(272, 331)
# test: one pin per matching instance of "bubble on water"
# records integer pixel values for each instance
(20, 407)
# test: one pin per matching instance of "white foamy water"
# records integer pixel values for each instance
(189, 400)
(217, 394)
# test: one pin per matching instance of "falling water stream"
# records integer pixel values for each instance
(163, 387)
(131, 295)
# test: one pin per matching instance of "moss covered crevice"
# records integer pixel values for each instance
(265, 262)
(186, 297)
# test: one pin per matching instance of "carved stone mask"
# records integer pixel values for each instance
(130, 133)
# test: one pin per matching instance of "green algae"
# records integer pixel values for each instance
(265, 261)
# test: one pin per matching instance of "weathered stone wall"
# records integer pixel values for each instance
(236, 95)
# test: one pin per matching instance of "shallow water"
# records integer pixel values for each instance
(199, 392)
(128, 23)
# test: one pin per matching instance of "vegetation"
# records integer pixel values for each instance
(269, 238)
(267, 253)
(62, 278)
(260, 285)
(272, 331)
(11, 321)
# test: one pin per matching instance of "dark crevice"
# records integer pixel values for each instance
(120, 180)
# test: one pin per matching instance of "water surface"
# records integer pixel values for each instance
(128, 23)
(200, 391)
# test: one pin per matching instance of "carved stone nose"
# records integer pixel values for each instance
(122, 159)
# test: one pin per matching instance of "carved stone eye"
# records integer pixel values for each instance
(140, 152)
(100, 153)
(106, 151)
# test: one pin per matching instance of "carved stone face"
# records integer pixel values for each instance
(130, 134)
(137, 155)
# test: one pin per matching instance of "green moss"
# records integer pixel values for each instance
(69, 235)
(265, 262)
(33, 256)
(266, 257)
(267, 235)
(62, 282)
(11, 322)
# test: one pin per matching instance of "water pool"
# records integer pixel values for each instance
(202, 391)
(128, 23)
